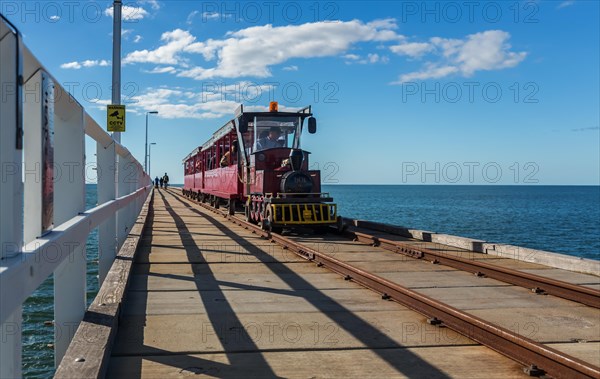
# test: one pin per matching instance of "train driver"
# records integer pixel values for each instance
(271, 141)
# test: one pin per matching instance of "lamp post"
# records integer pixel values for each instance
(149, 157)
(146, 145)
(116, 62)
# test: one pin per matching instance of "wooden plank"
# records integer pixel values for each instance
(549, 324)
(299, 281)
(586, 351)
(264, 300)
(470, 362)
(216, 252)
(240, 269)
(566, 276)
(224, 332)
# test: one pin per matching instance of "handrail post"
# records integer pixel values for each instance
(123, 177)
(107, 232)
(69, 200)
(11, 193)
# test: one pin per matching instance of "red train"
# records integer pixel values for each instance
(256, 160)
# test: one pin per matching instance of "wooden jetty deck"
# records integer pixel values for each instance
(210, 298)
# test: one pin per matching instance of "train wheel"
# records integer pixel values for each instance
(340, 225)
(217, 203)
(265, 225)
(267, 222)
(231, 207)
(247, 212)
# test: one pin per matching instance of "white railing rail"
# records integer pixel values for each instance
(44, 225)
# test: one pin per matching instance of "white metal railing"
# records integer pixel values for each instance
(44, 225)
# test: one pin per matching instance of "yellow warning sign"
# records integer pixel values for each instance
(115, 118)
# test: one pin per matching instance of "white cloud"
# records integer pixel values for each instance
(129, 13)
(100, 103)
(154, 4)
(55, 18)
(252, 51)
(412, 49)
(87, 64)
(386, 23)
(215, 100)
(483, 51)
(175, 42)
(137, 38)
(290, 68)
(370, 58)
(161, 70)
(374, 58)
(177, 103)
(488, 50)
(191, 16)
(210, 15)
(71, 65)
(206, 16)
(430, 71)
(565, 4)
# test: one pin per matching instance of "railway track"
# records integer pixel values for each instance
(536, 283)
(537, 358)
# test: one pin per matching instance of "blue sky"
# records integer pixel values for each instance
(503, 92)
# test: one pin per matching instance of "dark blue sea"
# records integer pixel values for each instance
(563, 219)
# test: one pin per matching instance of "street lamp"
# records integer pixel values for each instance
(146, 145)
(149, 157)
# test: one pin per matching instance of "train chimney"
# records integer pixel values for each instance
(296, 159)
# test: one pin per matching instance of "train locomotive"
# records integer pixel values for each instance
(255, 162)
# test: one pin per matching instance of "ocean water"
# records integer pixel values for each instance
(563, 219)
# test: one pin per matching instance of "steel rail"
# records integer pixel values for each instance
(536, 283)
(537, 358)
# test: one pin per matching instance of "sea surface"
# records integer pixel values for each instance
(562, 219)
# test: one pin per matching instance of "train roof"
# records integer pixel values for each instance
(230, 125)
(304, 112)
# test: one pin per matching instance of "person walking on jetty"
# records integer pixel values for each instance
(166, 180)
(156, 181)
(162, 182)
